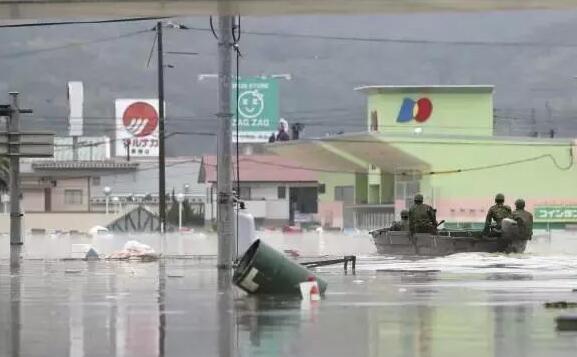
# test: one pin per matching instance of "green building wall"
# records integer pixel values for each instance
(539, 170)
(456, 110)
(332, 180)
(467, 166)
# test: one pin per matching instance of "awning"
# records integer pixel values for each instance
(37, 9)
(348, 153)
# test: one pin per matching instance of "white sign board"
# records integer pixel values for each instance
(136, 127)
(75, 108)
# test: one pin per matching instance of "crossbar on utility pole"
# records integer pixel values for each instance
(15, 214)
(161, 152)
(225, 213)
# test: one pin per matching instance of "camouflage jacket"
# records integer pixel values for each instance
(497, 213)
(525, 221)
(400, 226)
(422, 219)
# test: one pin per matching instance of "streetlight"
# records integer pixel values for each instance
(116, 201)
(107, 191)
(180, 199)
(285, 76)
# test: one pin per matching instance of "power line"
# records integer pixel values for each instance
(422, 173)
(430, 173)
(399, 40)
(115, 141)
(86, 22)
(71, 45)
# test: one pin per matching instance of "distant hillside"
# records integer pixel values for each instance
(528, 56)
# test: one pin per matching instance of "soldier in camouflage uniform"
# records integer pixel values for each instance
(524, 219)
(497, 213)
(422, 217)
(403, 225)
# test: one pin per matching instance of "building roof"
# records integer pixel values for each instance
(260, 168)
(425, 89)
(181, 174)
(347, 153)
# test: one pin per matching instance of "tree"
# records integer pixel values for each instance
(172, 214)
(189, 216)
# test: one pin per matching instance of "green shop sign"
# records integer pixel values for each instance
(257, 109)
(556, 213)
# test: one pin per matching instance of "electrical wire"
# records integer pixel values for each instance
(70, 147)
(515, 44)
(430, 173)
(85, 22)
(211, 28)
(151, 51)
(71, 45)
(323, 170)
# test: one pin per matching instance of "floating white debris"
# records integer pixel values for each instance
(135, 250)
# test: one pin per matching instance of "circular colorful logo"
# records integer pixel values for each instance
(419, 110)
(140, 119)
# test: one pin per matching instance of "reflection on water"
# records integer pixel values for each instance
(466, 304)
(200, 244)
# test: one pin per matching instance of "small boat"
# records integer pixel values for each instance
(447, 241)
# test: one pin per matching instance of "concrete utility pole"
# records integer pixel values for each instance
(161, 153)
(225, 213)
(15, 214)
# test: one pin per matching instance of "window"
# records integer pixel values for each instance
(345, 193)
(96, 181)
(322, 188)
(304, 199)
(281, 192)
(73, 197)
(374, 194)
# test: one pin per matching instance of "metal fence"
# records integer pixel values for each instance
(368, 217)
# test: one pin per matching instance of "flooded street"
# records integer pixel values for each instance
(239, 178)
(473, 304)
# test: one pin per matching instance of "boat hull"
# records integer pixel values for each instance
(424, 244)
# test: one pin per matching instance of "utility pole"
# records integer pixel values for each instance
(225, 213)
(14, 150)
(16, 144)
(161, 153)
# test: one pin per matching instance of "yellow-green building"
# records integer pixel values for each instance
(439, 141)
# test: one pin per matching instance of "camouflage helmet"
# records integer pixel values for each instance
(520, 203)
(404, 214)
(499, 198)
(418, 198)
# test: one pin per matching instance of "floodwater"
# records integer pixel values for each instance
(466, 304)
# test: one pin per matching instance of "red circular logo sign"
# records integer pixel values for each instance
(140, 119)
(424, 109)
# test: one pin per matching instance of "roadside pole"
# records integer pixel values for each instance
(227, 331)
(225, 213)
(161, 152)
(13, 149)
